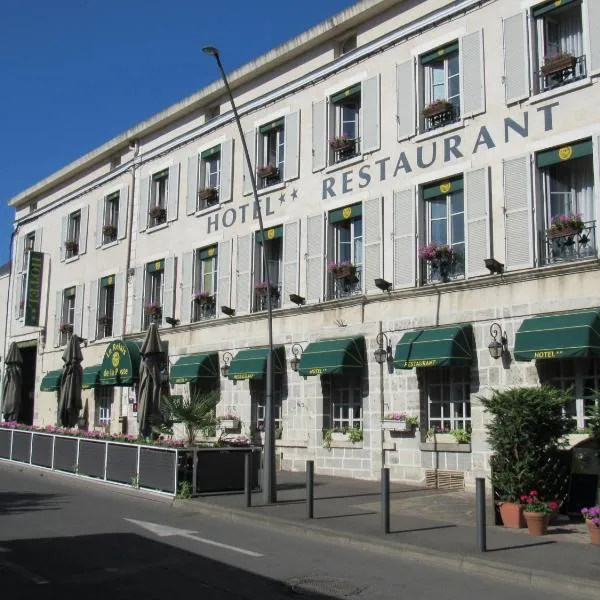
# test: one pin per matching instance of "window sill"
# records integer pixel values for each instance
(208, 210)
(426, 135)
(271, 188)
(344, 164)
(559, 91)
(72, 259)
(430, 447)
(157, 227)
(109, 245)
(291, 443)
(345, 444)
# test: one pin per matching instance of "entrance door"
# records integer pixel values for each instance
(29, 355)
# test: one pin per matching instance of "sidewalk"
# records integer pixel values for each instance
(426, 525)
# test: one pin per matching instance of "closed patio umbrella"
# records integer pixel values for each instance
(13, 382)
(150, 385)
(69, 403)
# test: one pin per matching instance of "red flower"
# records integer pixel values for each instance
(529, 500)
(523, 498)
(533, 493)
(552, 504)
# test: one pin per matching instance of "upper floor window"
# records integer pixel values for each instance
(110, 226)
(159, 191)
(153, 292)
(210, 178)
(67, 311)
(345, 121)
(346, 45)
(71, 243)
(204, 296)
(271, 153)
(273, 247)
(28, 246)
(106, 306)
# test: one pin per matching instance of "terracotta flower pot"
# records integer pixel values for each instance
(512, 515)
(537, 523)
(594, 533)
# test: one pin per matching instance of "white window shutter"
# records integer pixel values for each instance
(93, 310)
(224, 274)
(17, 295)
(404, 252)
(83, 230)
(99, 220)
(370, 109)
(291, 254)
(120, 293)
(477, 213)
(518, 213)
(244, 274)
(251, 143)
(19, 254)
(173, 198)
(319, 133)
(138, 299)
(123, 210)
(516, 66)
(291, 130)
(226, 191)
(168, 302)
(593, 21)
(57, 318)
(78, 316)
(405, 99)
(314, 258)
(144, 200)
(372, 227)
(192, 184)
(187, 281)
(37, 243)
(471, 75)
(64, 224)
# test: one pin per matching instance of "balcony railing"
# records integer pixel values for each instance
(345, 286)
(551, 77)
(443, 271)
(203, 312)
(441, 118)
(260, 299)
(568, 246)
(347, 151)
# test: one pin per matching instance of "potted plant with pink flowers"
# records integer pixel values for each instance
(555, 63)
(568, 224)
(536, 512)
(342, 269)
(592, 519)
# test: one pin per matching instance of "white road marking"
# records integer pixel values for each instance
(22, 571)
(166, 531)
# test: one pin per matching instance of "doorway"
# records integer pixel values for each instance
(29, 355)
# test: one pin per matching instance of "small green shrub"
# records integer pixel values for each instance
(355, 434)
(462, 436)
(185, 490)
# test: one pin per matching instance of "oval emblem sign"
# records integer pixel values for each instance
(445, 187)
(565, 152)
(347, 212)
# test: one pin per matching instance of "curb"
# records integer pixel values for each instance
(542, 580)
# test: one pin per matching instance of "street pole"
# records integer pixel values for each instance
(269, 484)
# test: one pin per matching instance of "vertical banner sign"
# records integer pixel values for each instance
(33, 291)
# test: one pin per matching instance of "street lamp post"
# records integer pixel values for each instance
(269, 488)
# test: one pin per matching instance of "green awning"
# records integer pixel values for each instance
(355, 89)
(51, 381)
(91, 377)
(564, 153)
(442, 188)
(439, 53)
(271, 233)
(340, 356)
(348, 212)
(195, 366)
(559, 336)
(436, 347)
(547, 7)
(251, 363)
(121, 364)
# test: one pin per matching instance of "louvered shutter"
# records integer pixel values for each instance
(78, 316)
(370, 108)
(291, 254)
(19, 254)
(404, 234)
(192, 185)
(93, 310)
(173, 198)
(244, 274)
(319, 129)
(138, 299)
(226, 191)
(99, 220)
(17, 296)
(63, 235)
(83, 230)
(593, 21)
(123, 210)
(224, 275)
(291, 165)
(518, 213)
(372, 227)
(168, 302)
(314, 258)
(120, 300)
(37, 243)
(251, 143)
(477, 213)
(187, 281)
(472, 77)
(57, 318)
(516, 68)
(405, 99)
(143, 207)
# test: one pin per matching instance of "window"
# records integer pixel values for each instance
(110, 225)
(212, 112)
(345, 140)
(447, 391)
(103, 407)
(346, 404)
(261, 411)
(115, 161)
(273, 246)
(346, 45)
(444, 253)
(28, 246)
(271, 153)
(345, 252)
(205, 284)
(153, 292)
(567, 183)
(210, 178)
(559, 42)
(67, 320)
(73, 234)
(441, 87)
(106, 306)
(159, 190)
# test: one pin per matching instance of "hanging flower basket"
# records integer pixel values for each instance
(204, 298)
(159, 213)
(66, 328)
(438, 107)
(208, 195)
(267, 171)
(341, 270)
(557, 63)
(341, 143)
(263, 288)
(109, 230)
(569, 224)
(71, 245)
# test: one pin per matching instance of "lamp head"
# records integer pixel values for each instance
(210, 50)
(383, 285)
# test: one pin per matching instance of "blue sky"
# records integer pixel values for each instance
(75, 73)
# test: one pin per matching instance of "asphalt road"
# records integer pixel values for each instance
(66, 538)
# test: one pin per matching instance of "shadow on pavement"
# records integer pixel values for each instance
(520, 546)
(360, 514)
(22, 502)
(423, 529)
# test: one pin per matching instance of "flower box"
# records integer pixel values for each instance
(204, 299)
(208, 195)
(104, 320)
(263, 288)
(109, 230)
(395, 425)
(232, 423)
(267, 172)
(341, 270)
(66, 328)
(558, 63)
(565, 231)
(71, 245)
(342, 144)
(153, 310)
(158, 213)
(436, 108)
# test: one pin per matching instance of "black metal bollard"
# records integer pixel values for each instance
(385, 500)
(310, 489)
(480, 514)
(248, 478)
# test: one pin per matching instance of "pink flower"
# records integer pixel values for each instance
(533, 493)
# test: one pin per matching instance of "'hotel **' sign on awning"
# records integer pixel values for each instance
(33, 293)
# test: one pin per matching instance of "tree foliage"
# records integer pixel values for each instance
(196, 413)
